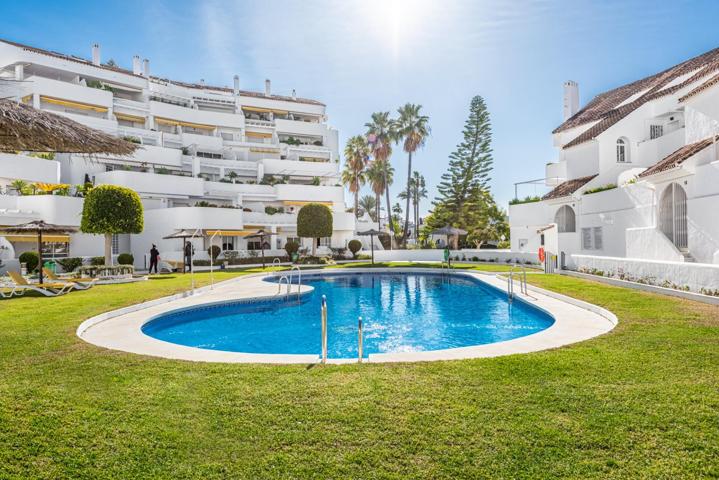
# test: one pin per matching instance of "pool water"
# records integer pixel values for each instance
(402, 312)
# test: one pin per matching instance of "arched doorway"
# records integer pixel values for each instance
(673, 215)
(565, 219)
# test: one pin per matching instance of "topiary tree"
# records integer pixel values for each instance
(291, 248)
(354, 246)
(314, 220)
(111, 210)
(30, 259)
(214, 252)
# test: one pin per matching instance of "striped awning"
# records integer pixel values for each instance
(174, 123)
(258, 134)
(230, 233)
(293, 203)
(265, 110)
(131, 118)
(69, 103)
(264, 150)
(33, 238)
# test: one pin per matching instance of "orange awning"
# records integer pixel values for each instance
(68, 103)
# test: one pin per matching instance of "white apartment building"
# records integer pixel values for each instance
(219, 159)
(650, 150)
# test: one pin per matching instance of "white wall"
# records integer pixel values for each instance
(31, 169)
(437, 255)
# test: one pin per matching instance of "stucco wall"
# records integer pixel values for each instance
(437, 255)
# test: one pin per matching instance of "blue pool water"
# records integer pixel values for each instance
(402, 312)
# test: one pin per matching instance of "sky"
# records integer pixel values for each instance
(362, 56)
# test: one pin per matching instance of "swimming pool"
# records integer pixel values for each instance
(402, 312)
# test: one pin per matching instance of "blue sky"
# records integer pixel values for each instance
(360, 56)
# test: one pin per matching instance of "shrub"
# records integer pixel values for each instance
(363, 256)
(291, 248)
(30, 259)
(528, 199)
(111, 209)
(70, 264)
(314, 220)
(354, 246)
(602, 188)
(125, 259)
(97, 261)
(214, 252)
(270, 210)
(105, 270)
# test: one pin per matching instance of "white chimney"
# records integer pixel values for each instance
(236, 85)
(96, 54)
(268, 89)
(571, 99)
(136, 65)
(294, 94)
(19, 72)
(146, 68)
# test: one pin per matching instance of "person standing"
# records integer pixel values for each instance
(154, 257)
(189, 250)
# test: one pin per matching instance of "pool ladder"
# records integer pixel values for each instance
(288, 280)
(522, 276)
(323, 337)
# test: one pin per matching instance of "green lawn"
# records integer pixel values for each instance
(639, 402)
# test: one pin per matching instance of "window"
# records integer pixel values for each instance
(655, 131)
(565, 219)
(673, 220)
(115, 244)
(522, 244)
(325, 241)
(622, 150)
(592, 238)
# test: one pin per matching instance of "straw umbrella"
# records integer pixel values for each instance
(449, 231)
(24, 128)
(261, 234)
(38, 227)
(371, 234)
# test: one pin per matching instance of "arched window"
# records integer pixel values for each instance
(622, 150)
(565, 219)
(673, 215)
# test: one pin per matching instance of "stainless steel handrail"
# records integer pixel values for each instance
(299, 278)
(360, 340)
(276, 261)
(324, 329)
(279, 284)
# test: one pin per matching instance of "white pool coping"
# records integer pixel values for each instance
(574, 321)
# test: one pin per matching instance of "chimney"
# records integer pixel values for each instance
(19, 72)
(136, 65)
(202, 82)
(571, 99)
(236, 85)
(268, 89)
(294, 94)
(146, 68)
(96, 54)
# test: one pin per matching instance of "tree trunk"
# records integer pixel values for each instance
(356, 212)
(409, 194)
(108, 249)
(377, 210)
(389, 209)
(416, 215)
(314, 246)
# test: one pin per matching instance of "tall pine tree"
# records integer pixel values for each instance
(464, 200)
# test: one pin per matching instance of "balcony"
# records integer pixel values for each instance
(264, 219)
(153, 183)
(299, 168)
(71, 92)
(651, 151)
(31, 169)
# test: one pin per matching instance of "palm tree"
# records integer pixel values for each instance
(356, 157)
(377, 172)
(354, 179)
(380, 135)
(412, 128)
(20, 186)
(368, 203)
(417, 191)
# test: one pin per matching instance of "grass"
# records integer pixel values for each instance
(639, 402)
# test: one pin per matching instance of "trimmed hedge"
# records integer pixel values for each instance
(105, 271)
(354, 246)
(242, 261)
(69, 264)
(30, 259)
(125, 259)
(110, 209)
(291, 248)
(314, 220)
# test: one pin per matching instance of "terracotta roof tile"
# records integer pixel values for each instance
(678, 157)
(607, 108)
(568, 187)
(712, 81)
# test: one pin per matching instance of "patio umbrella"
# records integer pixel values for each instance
(261, 234)
(449, 230)
(184, 234)
(24, 128)
(38, 227)
(371, 234)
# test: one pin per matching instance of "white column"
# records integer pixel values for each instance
(273, 237)
(19, 72)
(195, 166)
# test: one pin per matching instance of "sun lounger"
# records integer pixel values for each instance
(20, 285)
(80, 283)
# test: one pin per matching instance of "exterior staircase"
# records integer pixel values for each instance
(688, 257)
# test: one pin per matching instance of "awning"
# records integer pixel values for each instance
(33, 238)
(313, 159)
(169, 121)
(258, 134)
(264, 150)
(300, 204)
(131, 118)
(265, 110)
(68, 103)
(230, 233)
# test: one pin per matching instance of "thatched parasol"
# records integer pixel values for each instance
(38, 227)
(24, 128)
(261, 234)
(371, 234)
(449, 231)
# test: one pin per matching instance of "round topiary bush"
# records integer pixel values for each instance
(97, 261)
(125, 259)
(314, 220)
(354, 246)
(214, 252)
(30, 259)
(291, 248)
